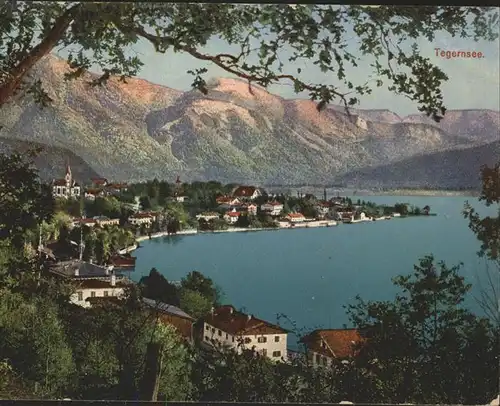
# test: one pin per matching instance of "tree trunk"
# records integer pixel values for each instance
(18, 73)
(151, 377)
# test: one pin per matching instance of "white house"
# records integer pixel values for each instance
(247, 192)
(324, 346)
(92, 194)
(295, 218)
(207, 216)
(76, 222)
(66, 188)
(272, 208)
(96, 288)
(106, 221)
(226, 326)
(323, 209)
(141, 218)
(226, 202)
(249, 208)
(232, 216)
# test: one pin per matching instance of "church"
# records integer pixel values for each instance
(67, 187)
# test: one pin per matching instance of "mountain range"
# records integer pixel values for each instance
(239, 133)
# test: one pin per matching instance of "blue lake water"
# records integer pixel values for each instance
(309, 274)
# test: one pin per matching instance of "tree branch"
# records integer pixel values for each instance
(17, 74)
(218, 60)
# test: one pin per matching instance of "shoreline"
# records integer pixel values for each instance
(317, 224)
(352, 192)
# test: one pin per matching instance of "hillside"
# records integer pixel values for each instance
(450, 169)
(52, 160)
(140, 130)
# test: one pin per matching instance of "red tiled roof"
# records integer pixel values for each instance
(117, 186)
(233, 213)
(224, 199)
(181, 324)
(141, 215)
(295, 215)
(244, 191)
(99, 181)
(324, 204)
(59, 182)
(120, 260)
(338, 343)
(274, 203)
(93, 191)
(227, 319)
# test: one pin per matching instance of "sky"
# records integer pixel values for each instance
(472, 84)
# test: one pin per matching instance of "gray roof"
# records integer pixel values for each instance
(85, 269)
(166, 308)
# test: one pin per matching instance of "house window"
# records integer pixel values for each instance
(262, 340)
(232, 339)
(80, 296)
(92, 294)
(219, 332)
(276, 354)
(276, 339)
(248, 340)
(264, 352)
(213, 330)
(318, 358)
(105, 293)
(227, 336)
(207, 327)
(207, 338)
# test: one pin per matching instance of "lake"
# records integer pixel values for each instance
(309, 274)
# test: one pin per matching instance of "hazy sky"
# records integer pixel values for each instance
(473, 83)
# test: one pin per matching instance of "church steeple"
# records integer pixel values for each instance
(68, 177)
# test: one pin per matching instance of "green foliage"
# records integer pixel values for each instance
(155, 286)
(175, 375)
(34, 341)
(194, 303)
(100, 33)
(103, 206)
(418, 346)
(25, 202)
(487, 229)
(197, 282)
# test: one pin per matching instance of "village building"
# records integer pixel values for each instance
(247, 192)
(138, 219)
(92, 194)
(87, 289)
(173, 316)
(77, 222)
(116, 188)
(323, 209)
(249, 208)
(227, 202)
(273, 208)
(106, 221)
(295, 218)
(232, 216)
(207, 216)
(66, 188)
(98, 183)
(325, 346)
(225, 326)
(90, 280)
